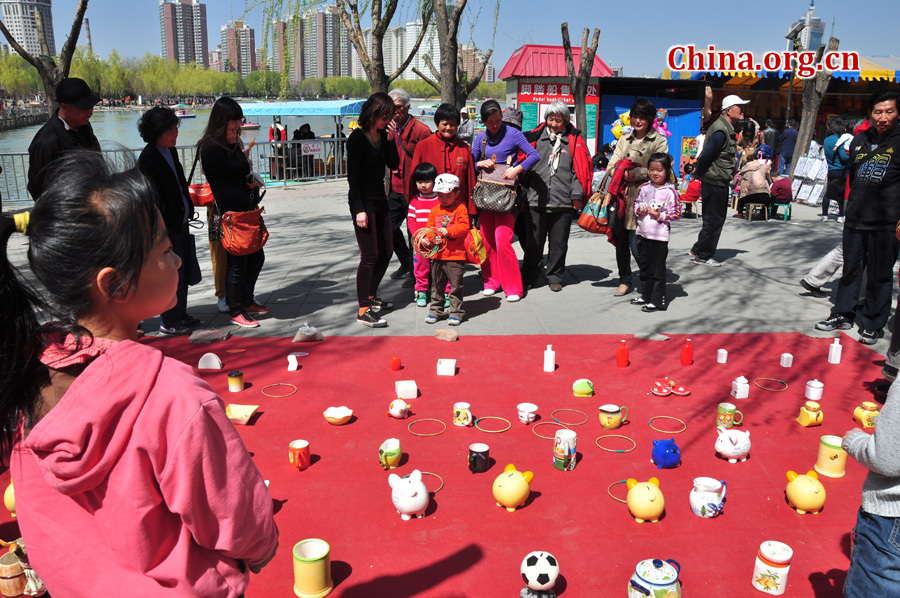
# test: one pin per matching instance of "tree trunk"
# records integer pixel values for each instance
(51, 73)
(453, 83)
(813, 91)
(579, 82)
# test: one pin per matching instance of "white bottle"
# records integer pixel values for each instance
(549, 359)
(834, 351)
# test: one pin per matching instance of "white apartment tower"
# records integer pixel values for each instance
(18, 16)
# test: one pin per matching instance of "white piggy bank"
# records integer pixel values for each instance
(733, 444)
(409, 495)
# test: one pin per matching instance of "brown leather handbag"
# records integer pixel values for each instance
(244, 233)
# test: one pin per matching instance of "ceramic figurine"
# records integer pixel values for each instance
(665, 454)
(511, 488)
(645, 500)
(707, 497)
(865, 414)
(732, 444)
(583, 388)
(540, 570)
(805, 492)
(398, 408)
(409, 495)
(655, 578)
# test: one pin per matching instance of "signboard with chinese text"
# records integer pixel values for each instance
(546, 92)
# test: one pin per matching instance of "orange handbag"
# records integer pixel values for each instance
(201, 194)
(244, 233)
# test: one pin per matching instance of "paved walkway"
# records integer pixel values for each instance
(311, 260)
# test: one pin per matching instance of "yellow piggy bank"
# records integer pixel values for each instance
(511, 488)
(805, 492)
(645, 500)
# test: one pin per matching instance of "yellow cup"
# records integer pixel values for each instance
(312, 568)
(832, 459)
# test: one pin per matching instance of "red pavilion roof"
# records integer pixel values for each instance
(546, 61)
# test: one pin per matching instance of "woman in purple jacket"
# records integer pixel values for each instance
(492, 147)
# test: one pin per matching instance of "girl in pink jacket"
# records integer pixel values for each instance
(129, 478)
(656, 205)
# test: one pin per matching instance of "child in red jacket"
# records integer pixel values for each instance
(450, 221)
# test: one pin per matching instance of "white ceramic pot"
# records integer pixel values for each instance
(655, 577)
(707, 497)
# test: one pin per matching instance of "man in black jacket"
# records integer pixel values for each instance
(872, 214)
(67, 129)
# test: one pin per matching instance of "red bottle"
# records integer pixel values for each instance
(395, 364)
(687, 353)
(622, 355)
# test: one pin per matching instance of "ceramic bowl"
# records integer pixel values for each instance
(240, 414)
(338, 416)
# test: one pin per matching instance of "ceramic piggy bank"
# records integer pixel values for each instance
(732, 444)
(645, 500)
(805, 492)
(665, 454)
(409, 495)
(511, 488)
(398, 408)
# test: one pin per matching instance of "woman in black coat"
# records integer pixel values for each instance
(159, 162)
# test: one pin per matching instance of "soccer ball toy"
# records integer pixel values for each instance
(540, 570)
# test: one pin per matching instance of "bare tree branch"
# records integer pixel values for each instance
(435, 72)
(68, 48)
(434, 84)
(427, 10)
(579, 82)
(813, 92)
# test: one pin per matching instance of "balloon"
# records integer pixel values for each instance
(661, 115)
(617, 131)
(626, 118)
(627, 131)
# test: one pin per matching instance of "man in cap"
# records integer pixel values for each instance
(466, 129)
(68, 128)
(715, 170)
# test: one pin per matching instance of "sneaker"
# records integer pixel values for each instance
(824, 218)
(813, 290)
(399, 273)
(555, 287)
(691, 253)
(244, 321)
(737, 215)
(834, 322)
(454, 321)
(710, 262)
(190, 321)
(650, 307)
(870, 337)
(488, 292)
(512, 298)
(889, 373)
(368, 318)
(638, 301)
(431, 319)
(408, 283)
(222, 305)
(255, 308)
(841, 219)
(446, 300)
(377, 304)
(421, 298)
(174, 331)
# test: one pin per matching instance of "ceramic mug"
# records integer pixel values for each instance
(564, 450)
(389, 453)
(728, 415)
(832, 459)
(611, 416)
(462, 414)
(298, 453)
(527, 412)
(478, 457)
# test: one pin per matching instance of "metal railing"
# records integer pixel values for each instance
(278, 163)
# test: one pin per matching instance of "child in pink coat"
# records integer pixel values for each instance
(656, 205)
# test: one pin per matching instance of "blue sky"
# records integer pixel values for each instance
(870, 27)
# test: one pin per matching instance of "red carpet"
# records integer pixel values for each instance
(466, 546)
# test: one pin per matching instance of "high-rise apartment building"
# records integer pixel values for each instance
(182, 28)
(314, 45)
(470, 59)
(238, 48)
(18, 16)
(393, 49)
(430, 46)
(215, 59)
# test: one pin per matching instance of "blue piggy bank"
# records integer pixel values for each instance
(665, 454)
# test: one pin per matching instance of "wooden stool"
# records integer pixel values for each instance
(753, 206)
(694, 205)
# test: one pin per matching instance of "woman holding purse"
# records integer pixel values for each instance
(235, 189)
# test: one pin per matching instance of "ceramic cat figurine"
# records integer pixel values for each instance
(732, 444)
(409, 495)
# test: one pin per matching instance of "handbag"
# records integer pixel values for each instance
(594, 216)
(475, 251)
(492, 192)
(201, 194)
(244, 233)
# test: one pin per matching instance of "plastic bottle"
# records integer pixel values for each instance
(687, 353)
(622, 355)
(549, 359)
(834, 351)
